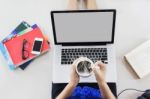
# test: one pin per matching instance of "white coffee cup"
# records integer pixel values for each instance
(84, 66)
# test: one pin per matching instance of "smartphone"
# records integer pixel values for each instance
(37, 46)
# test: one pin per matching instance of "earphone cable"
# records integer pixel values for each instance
(128, 89)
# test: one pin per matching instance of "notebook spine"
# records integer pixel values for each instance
(6, 55)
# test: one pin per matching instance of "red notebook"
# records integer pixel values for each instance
(15, 45)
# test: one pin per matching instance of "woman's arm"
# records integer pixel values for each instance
(99, 71)
(67, 91)
(74, 79)
(106, 92)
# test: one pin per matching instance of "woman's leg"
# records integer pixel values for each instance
(91, 4)
(73, 5)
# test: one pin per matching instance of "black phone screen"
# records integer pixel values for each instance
(37, 46)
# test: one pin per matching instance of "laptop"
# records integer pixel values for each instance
(83, 33)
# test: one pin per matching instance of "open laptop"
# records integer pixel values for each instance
(83, 33)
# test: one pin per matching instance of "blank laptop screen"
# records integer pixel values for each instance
(83, 26)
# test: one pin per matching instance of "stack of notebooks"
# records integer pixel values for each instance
(11, 46)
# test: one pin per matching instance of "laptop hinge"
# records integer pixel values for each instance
(84, 44)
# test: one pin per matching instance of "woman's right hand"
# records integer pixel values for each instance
(74, 77)
(99, 70)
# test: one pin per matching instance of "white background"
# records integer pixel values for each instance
(132, 28)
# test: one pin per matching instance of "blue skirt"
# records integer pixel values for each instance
(85, 93)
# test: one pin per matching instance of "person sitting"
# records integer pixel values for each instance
(72, 91)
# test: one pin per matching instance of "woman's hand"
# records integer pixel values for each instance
(99, 70)
(74, 77)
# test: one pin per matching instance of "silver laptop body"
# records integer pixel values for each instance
(87, 33)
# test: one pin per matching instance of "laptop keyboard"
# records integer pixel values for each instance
(95, 54)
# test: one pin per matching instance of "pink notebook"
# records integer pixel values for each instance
(14, 46)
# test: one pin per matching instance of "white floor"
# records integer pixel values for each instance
(132, 28)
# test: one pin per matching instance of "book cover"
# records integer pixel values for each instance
(15, 45)
(139, 59)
